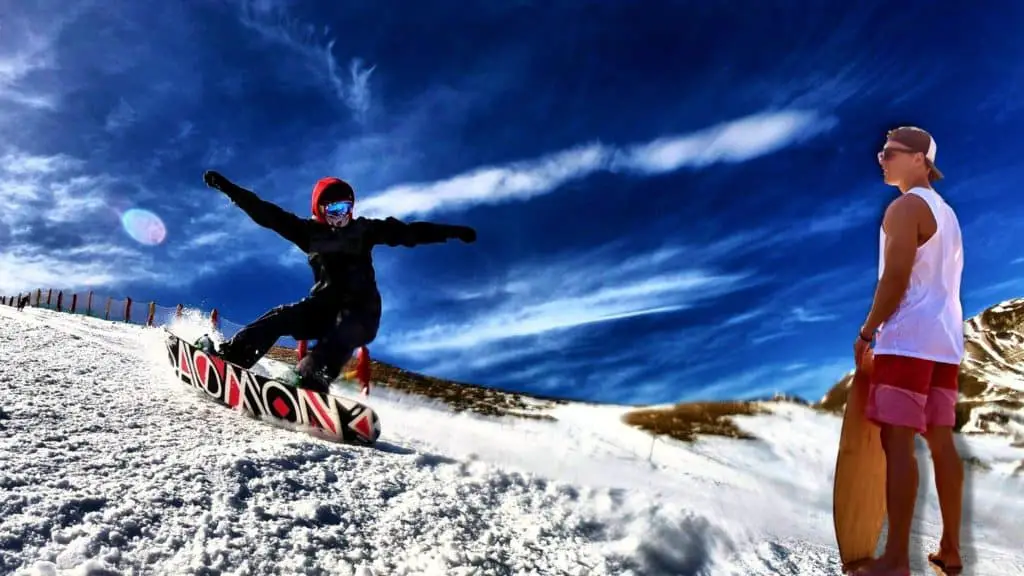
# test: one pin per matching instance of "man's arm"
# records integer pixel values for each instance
(269, 215)
(901, 223)
(394, 232)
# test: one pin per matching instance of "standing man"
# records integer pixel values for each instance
(916, 323)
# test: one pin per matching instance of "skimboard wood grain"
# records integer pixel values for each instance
(858, 494)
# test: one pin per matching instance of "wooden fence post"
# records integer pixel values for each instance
(300, 351)
(215, 319)
(178, 310)
(49, 292)
(88, 305)
(74, 302)
(152, 312)
(39, 295)
(60, 300)
(106, 314)
(127, 308)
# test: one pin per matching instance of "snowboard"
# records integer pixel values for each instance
(329, 416)
(858, 492)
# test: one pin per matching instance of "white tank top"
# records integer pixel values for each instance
(929, 321)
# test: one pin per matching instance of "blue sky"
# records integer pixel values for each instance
(674, 200)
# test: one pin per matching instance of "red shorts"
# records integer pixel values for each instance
(912, 392)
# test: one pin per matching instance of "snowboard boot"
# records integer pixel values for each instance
(207, 345)
(317, 382)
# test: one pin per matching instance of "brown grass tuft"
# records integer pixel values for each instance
(686, 421)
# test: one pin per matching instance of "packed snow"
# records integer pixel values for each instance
(108, 465)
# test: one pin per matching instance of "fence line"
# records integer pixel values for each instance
(127, 310)
(153, 314)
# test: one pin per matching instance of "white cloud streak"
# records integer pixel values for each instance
(544, 298)
(270, 19)
(32, 55)
(55, 228)
(735, 141)
(26, 180)
(26, 267)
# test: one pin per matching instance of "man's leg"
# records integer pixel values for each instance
(297, 320)
(899, 393)
(901, 478)
(949, 468)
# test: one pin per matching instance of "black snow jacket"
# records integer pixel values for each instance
(341, 258)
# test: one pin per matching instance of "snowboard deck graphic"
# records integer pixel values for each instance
(335, 418)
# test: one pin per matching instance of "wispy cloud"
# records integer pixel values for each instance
(555, 296)
(985, 296)
(27, 267)
(28, 53)
(25, 185)
(31, 54)
(58, 227)
(521, 324)
(356, 93)
(122, 116)
(806, 380)
(820, 298)
(19, 163)
(272, 20)
(735, 141)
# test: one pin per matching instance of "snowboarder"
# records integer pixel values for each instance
(342, 311)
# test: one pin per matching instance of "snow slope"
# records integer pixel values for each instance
(108, 465)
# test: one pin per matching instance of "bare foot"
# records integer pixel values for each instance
(948, 563)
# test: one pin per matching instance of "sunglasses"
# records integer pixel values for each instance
(890, 153)
(340, 208)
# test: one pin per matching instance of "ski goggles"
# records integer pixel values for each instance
(338, 209)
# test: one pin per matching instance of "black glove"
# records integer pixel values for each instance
(464, 233)
(217, 181)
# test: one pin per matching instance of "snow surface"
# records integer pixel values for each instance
(108, 465)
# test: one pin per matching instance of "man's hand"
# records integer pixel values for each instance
(860, 346)
(216, 180)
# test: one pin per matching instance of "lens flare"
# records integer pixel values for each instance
(144, 226)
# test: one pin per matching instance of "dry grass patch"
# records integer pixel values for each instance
(686, 421)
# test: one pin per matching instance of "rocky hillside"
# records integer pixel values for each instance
(991, 375)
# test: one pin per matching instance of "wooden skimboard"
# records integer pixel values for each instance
(858, 494)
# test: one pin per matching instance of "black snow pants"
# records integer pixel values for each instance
(338, 331)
